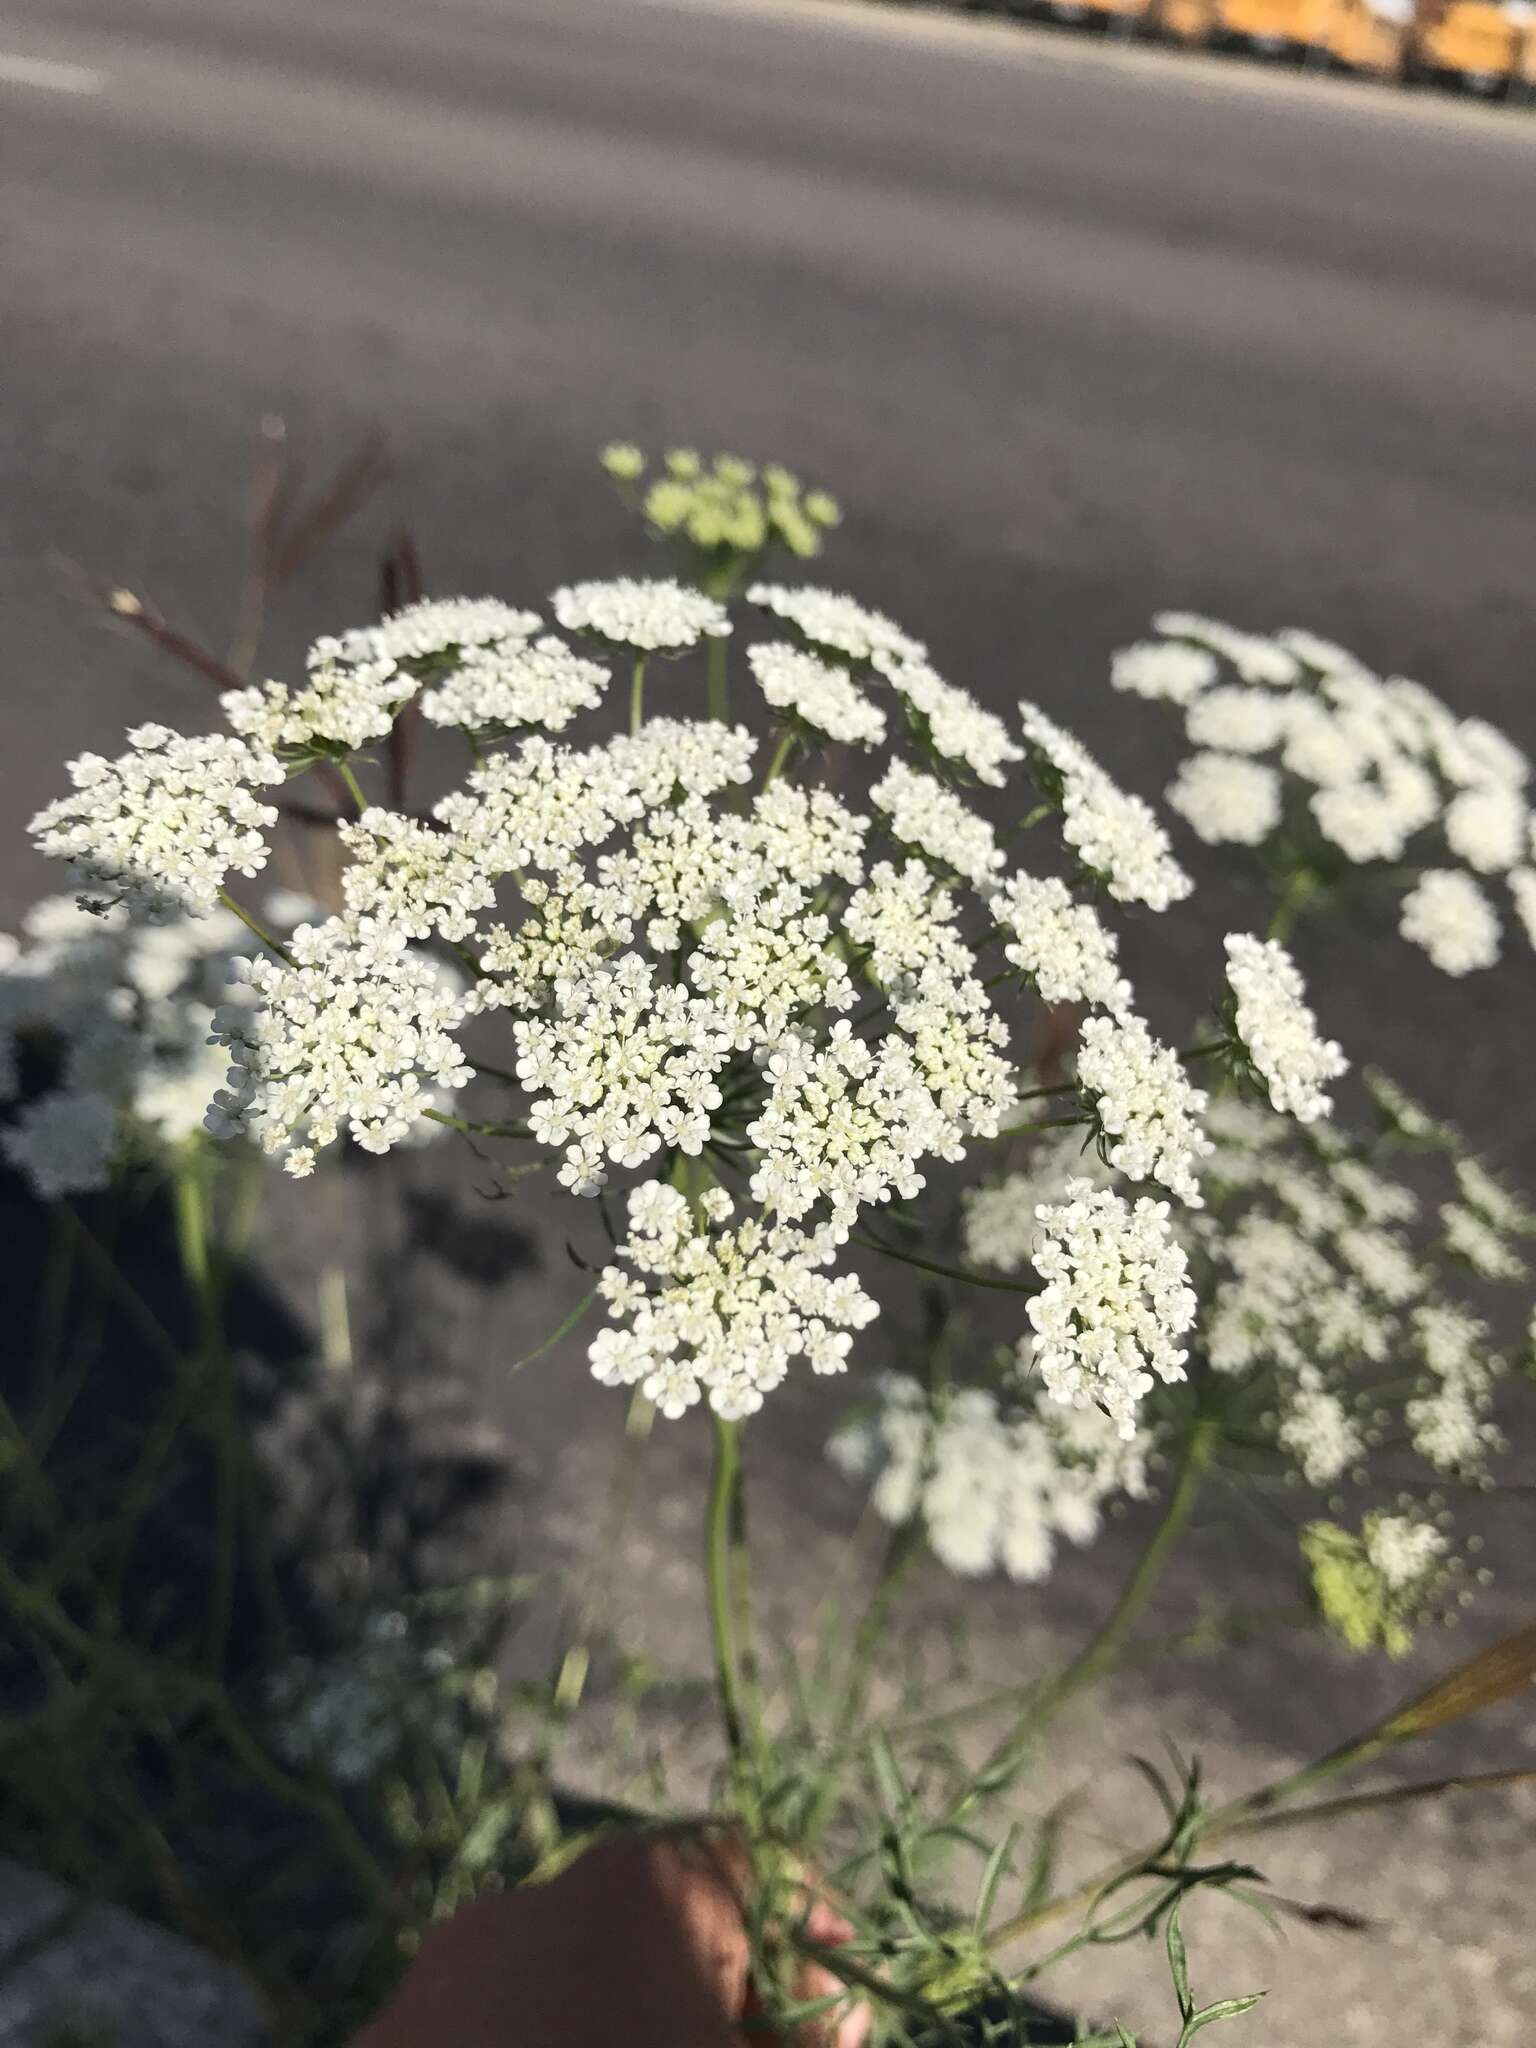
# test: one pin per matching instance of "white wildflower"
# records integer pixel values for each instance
(1449, 916)
(1317, 1430)
(1115, 1303)
(1115, 836)
(354, 1032)
(1384, 1263)
(1379, 1200)
(1144, 1103)
(1227, 800)
(1060, 945)
(162, 827)
(1472, 1238)
(817, 693)
(998, 1218)
(526, 682)
(425, 634)
(925, 815)
(64, 1142)
(1163, 669)
(1279, 1029)
(994, 1491)
(1492, 1200)
(1256, 659)
(840, 624)
(1487, 827)
(1235, 720)
(957, 725)
(721, 1312)
(644, 614)
(1402, 1550)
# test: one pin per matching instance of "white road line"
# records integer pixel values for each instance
(46, 76)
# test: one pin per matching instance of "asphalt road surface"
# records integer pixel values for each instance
(1074, 333)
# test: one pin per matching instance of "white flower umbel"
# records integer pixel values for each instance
(712, 1311)
(163, 826)
(925, 815)
(434, 630)
(995, 1491)
(957, 726)
(1144, 1103)
(1115, 1304)
(1256, 658)
(647, 615)
(1474, 1240)
(1403, 1550)
(839, 624)
(1278, 1028)
(494, 690)
(1115, 836)
(1234, 720)
(1449, 916)
(817, 693)
(1060, 945)
(1227, 801)
(64, 1143)
(998, 1226)
(622, 1066)
(356, 1031)
(1487, 828)
(1317, 1430)
(1163, 670)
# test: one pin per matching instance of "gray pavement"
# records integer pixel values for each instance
(1074, 333)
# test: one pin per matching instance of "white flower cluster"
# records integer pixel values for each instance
(957, 726)
(353, 1030)
(925, 815)
(1278, 1028)
(1060, 945)
(816, 693)
(720, 1311)
(1114, 836)
(122, 1008)
(1364, 765)
(1307, 1279)
(648, 616)
(840, 625)
(998, 1218)
(701, 983)
(162, 826)
(1145, 1105)
(995, 1490)
(360, 679)
(495, 689)
(1115, 1303)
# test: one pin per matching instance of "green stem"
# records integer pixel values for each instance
(944, 1272)
(457, 1123)
(354, 788)
(637, 696)
(214, 1366)
(1103, 1647)
(781, 755)
(718, 678)
(725, 1480)
(1041, 1123)
(250, 924)
(1292, 899)
(1208, 1050)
